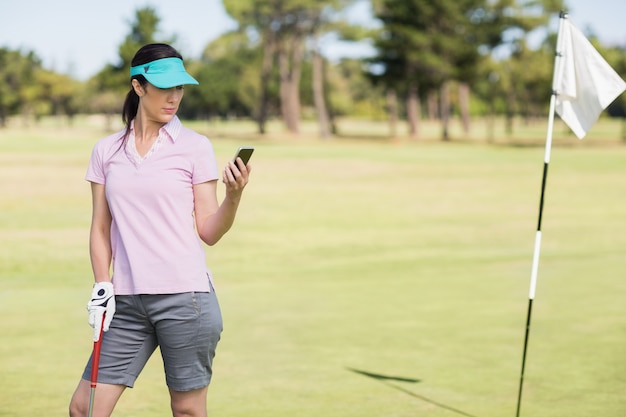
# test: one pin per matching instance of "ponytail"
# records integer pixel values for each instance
(131, 106)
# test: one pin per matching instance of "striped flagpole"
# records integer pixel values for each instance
(535, 265)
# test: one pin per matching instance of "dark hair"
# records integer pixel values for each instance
(145, 54)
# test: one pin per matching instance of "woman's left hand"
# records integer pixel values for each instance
(235, 177)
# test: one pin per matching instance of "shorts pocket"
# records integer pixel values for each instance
(179, 323)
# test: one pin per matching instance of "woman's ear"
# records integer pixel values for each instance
(139, 90)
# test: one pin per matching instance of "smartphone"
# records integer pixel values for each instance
(245, 152)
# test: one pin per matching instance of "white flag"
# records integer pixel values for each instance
(586, 84)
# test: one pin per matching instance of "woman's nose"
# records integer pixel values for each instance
(175, 95)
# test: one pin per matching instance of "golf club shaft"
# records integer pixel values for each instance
(95, 364)
(91, 398)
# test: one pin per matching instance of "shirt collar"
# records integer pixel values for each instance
(172, 128)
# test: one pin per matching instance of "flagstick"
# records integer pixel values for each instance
(535, 264)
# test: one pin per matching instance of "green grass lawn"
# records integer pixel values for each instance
(363, 278)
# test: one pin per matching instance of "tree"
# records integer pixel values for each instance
(19, 90)
(351, 91)
(268, 21)
(330, 21)
(422, 47)
(60, 92)
(227, 73)
(505, 28)
(426, 46)
(283, 28)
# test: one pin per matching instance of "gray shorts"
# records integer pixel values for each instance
(185, 326)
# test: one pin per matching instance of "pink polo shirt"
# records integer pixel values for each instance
(156, 249)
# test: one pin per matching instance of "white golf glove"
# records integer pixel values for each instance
(102, 301)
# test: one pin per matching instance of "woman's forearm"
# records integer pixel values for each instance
(216, 225)
(100, 254)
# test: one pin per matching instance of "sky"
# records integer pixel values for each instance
(79, 37)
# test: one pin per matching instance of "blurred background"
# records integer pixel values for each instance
(400, 61)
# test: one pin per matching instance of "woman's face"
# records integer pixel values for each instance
(158, 104)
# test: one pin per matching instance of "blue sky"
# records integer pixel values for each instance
(81, 36)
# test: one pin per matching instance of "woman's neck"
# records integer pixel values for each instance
(146, 130)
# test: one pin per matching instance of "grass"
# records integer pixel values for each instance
(363, 277)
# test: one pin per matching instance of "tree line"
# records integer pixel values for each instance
(433, 60)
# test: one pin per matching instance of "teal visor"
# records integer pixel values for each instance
(164, 73)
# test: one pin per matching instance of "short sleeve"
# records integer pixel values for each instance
(95, 170)
(205, 164)
(101, 155)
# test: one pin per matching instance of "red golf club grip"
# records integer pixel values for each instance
(95, 357)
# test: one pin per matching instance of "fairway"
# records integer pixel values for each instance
(362, 278)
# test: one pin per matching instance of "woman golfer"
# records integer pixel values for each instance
(154, 193)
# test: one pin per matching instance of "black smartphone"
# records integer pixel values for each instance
(244, 152)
